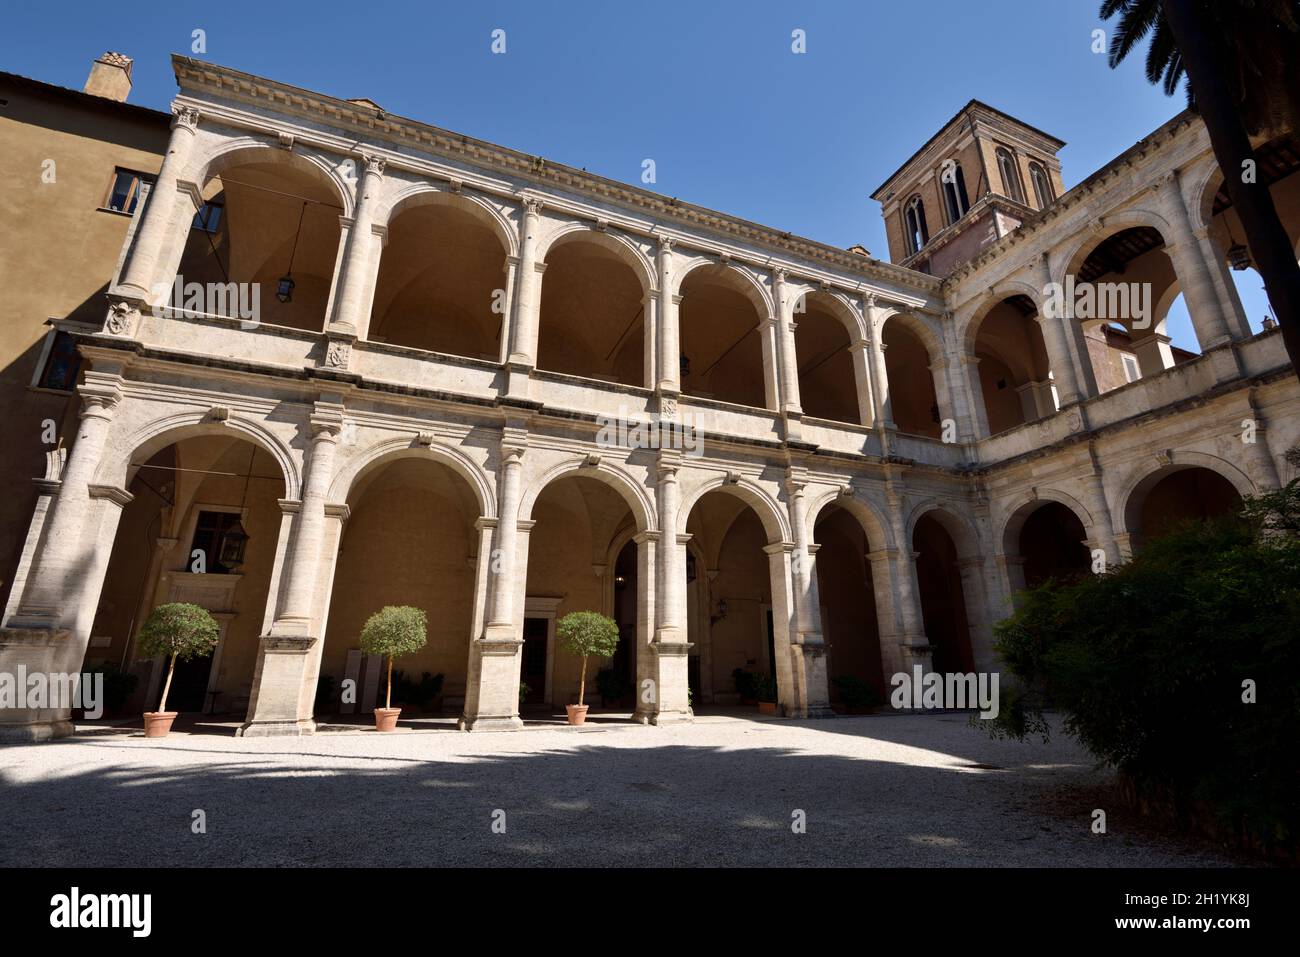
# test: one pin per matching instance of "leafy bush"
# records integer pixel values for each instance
(587, 633)
(611, 685)
(856, 693)
(392, 631)
(118, 685)
(765, 688)
(178, 630)
(524, 691)
(417, 694)
(1149, 662)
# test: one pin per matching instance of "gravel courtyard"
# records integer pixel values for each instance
(887, 790)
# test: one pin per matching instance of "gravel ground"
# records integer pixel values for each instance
(886, 790)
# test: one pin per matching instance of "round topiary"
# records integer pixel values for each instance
(587, 633)
(392, 631)
(180, 630)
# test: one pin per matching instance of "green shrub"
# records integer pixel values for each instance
(1148, 663)
(589, 634)
(856, 693)
(765, 688)
(393, 631)
(178, 630)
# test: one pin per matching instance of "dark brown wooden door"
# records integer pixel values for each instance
(533, 671)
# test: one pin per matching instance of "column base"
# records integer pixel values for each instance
(35, 732)
(277, 729)
(491, 723)
(816, 712)
(658, 718)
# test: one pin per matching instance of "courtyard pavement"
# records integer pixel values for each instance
(877, 791)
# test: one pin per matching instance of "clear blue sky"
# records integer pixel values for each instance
(710, 90)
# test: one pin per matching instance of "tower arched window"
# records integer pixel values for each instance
(918, 234)
(1042, 184)
(954, 192)
(1010, 175)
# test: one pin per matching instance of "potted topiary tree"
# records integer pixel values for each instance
(392, 631)
(588, 634)
(180, 630)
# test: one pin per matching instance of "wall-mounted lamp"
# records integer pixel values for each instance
(722, 612)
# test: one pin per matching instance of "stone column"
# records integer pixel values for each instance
(670, 351)
(1198, 288)
(351, 317)
(1067, 355)
(54, 584)
(523, 350)
(167, 213)
(789, 359)
(647, 663)
(492, 686)
(914, 646)
(289, 654)
(808, 645)
(1259, 463)
(790, 701)
(883, 408)
(862, 357)
(1225, 289)
(1153, 353)
(667, 668)
(768, 332)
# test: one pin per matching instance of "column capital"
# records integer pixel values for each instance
(185, 118)
(373, 163)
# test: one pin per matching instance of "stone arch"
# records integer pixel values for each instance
(250, 149)
(873, 522)
(990, 301)
(1110, 225)
(1143, 479)
(366, 463)
(622, 246)
(157, 434)
(963, 533)
(1027, 504)
(745, 282)
(418, 194)
(839, 306)
(770, 513)
(632, 492)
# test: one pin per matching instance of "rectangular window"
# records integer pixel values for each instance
(61, 365)
(1131, 370)
(208, 218)
(126, 190)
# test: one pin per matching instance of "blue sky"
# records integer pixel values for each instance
(709, 90)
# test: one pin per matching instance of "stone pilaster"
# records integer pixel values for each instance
(351, 318)
(670, 350)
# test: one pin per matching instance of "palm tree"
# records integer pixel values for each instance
(1241, 59)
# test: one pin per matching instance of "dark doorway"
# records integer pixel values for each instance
(1052, 545)
(533, 670)
(189, 688)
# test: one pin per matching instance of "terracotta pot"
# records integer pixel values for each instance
(577, 713)
(158, 723)
(767, 707)
(386, 718)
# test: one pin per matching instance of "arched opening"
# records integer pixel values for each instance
(267, 223)
(943, 597)
(1015, 383)
(576, 521)
(736, 629)
(850, 623)
(202, 527)
(827, 379)
(441, 283)
(1178, 494)
(1052, 544)
(721, 342)
(1125, 287)
(410, 539)
(592, 321)
(911, 398)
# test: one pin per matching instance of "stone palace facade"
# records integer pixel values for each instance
(349, 360)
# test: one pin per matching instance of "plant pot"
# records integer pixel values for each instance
(767, 707)
(386, 718)
(577, 713)
(157, 724)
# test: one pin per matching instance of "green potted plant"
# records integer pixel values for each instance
(179, 630)
(392, 631)
(588, 634)
(857, 696)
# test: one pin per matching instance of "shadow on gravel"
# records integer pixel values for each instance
(590, 805)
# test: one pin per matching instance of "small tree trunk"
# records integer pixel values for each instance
(582, 681)
(171, 666)
(388, 699)
(1267, 237)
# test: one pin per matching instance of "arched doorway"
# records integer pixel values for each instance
(850, 622)
(943, 597)
(1175, 495)
(1052, 544)
(202, 527)
(410, 539)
